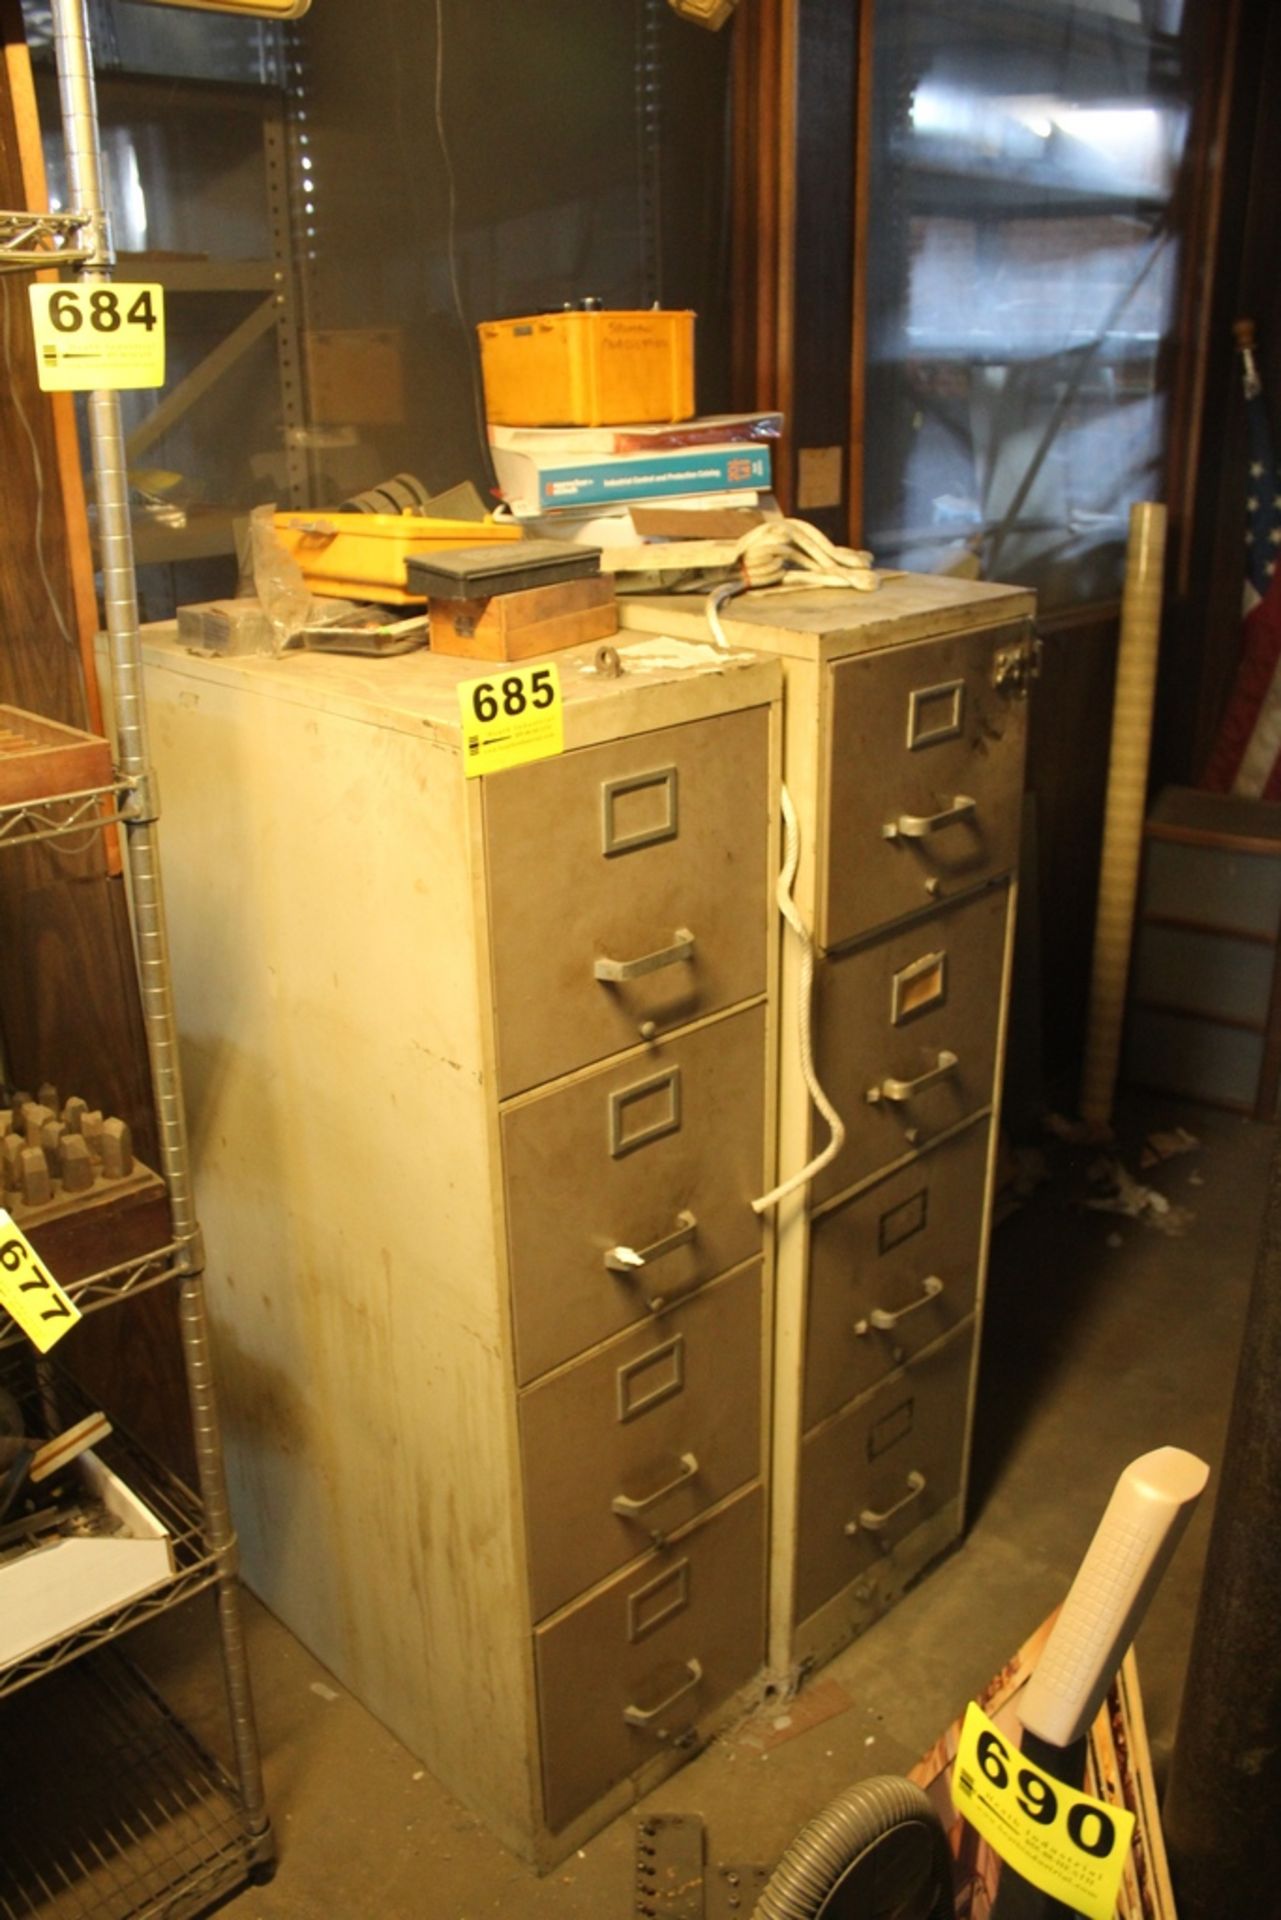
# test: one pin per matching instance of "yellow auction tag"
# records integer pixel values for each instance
(29, 1292)
(513, 715)
(1070, 1846)
(97, 334)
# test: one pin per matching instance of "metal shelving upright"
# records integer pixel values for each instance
(144, 1824)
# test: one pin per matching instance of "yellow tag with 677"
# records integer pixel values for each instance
(28, 1291)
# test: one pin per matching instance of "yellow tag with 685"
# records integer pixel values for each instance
(29, 1292)
(1070, 1846)
(513, 715)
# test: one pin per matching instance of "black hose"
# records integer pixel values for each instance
(841, 1838)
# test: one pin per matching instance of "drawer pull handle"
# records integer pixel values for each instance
(884, 1321)
(646, 1716)
(918, 826)
(873, 1522)
(629, 1509)
(615, 970)
(900, 1090)
(629, 1260)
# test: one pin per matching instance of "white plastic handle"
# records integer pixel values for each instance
(1142, 1524)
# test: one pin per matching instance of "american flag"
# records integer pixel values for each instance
(1246, 758)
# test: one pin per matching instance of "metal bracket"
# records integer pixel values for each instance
(141, 803)
(192, 1258)
(669, 1867)
(1015, 667)
(733, 1890)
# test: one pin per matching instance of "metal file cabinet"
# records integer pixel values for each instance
(904, 739)
(481, 1090)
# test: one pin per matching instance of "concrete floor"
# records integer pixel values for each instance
(1104, 1336)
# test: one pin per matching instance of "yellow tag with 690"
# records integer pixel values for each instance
(1069, 1845)
(29, 1292)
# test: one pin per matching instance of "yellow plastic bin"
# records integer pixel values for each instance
(588, 369)
(361, 556)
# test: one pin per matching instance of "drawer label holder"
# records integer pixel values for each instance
(514, 715)
(1070, 1846)
(28, 1291)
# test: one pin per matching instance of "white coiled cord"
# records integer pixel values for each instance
(804, 1014)
(783, 554)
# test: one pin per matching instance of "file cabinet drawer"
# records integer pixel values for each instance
(628, 891)
(659, 1156)
(926, 752)
(880, 1469)
(638, 1663)
(893, 1270)
(907, 1033)
(638, 1438)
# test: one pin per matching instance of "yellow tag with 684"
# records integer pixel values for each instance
(96, 334)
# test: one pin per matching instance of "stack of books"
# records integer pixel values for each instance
(592, 483)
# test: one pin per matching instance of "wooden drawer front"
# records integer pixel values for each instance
(640, 1437)
(1200, 1059)
(1205, 972)
(615, 855)
(661, 1155)
(892, 1271)
(926, 770)
(1223, 886)
(687, 1626)
(880, 1469)
(907, 1030)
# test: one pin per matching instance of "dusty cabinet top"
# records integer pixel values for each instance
(662, 682)
(827, 623)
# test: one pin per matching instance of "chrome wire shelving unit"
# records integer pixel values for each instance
(110, 1808)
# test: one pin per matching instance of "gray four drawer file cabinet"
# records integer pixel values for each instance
(904, 738)
(539, 1435)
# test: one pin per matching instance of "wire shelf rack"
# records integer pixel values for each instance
(42, 240)
(50, 1399)
(48, 819)
(112, 1810)
(112, 1284)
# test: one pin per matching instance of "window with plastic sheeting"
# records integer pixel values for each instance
(1022, 276)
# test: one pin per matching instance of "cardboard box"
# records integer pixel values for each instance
(588, 369)
(54, 1590)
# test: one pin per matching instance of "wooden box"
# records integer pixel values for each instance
(40, 758)
(520, 626)
(1205, 990)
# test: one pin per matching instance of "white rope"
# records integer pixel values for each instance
(776, 556)
(779, 548)
(804, 1014)
(788, 555)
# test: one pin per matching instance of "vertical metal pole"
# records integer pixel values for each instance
(120, 602)
(115, 536)
(1221, 1820)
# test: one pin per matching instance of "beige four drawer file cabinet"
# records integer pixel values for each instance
(480, 1089)
(905, 734)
